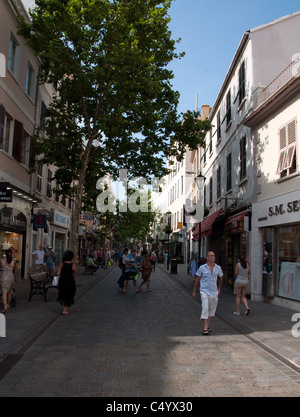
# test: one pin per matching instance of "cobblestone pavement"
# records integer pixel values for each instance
(146, 345)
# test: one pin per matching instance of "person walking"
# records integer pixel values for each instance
(39, 259)
(123, 266)
(66, 283)
(210, 277)
(241, 284)
(50, 255)
(7, 278)
(130, 271)
(146, 267)
(153, 259)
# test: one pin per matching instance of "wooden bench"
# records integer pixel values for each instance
(40, 283)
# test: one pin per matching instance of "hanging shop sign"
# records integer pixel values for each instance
(39, 221)
(5, 194)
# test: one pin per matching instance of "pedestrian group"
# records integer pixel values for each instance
(208, 277)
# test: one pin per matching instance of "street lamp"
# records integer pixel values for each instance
(169, 227)
(199, 184)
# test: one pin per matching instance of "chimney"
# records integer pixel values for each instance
(205, 111)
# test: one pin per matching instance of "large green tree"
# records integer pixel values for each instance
(109, 60)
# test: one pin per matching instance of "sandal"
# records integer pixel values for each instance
(205, 332)
(209, 330)
(247, 311)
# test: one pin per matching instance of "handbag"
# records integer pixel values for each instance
(55, 280)
(109, 263)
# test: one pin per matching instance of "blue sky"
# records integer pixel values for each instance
(210, 33)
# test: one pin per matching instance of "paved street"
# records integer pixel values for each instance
(146, 345)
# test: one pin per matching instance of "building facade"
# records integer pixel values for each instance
(30, 213)
(275, 246)
(229, 162)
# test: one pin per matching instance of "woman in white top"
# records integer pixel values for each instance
(242, 272)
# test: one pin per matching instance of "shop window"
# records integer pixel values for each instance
(288, 243)
(287, 150)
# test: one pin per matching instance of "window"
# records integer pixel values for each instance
(229, 173)
(18, 141)
(7, 133)
(210, 191)
(228, 108)
(210, 142)
(218, 126)
(39, 176)
(242, 84)
(227, 116)
(25, 149)
(243, 158)
(287, 150)
(219, 182)
(2, 125)
(49, 177)
(43, 116)
(13, 55)
(30, 77)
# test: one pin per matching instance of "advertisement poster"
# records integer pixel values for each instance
(289, 281)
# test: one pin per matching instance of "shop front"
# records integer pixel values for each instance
(236, 241)
(60, 230)
(276, 250)
(13, 225)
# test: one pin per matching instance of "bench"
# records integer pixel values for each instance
(40, 283)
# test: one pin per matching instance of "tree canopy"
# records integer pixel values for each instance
(109, 60)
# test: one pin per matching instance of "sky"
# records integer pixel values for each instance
(210, 32)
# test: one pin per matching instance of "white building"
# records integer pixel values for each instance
(275, 247)
(228, 163)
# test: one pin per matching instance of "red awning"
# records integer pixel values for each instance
(206, 225)
(238, 217)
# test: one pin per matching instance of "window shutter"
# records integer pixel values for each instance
(18, 140)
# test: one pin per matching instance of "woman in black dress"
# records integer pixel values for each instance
(66, 284)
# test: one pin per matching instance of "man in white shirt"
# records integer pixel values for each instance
(210, 276)
(39, 258)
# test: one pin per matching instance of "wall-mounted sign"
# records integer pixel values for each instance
(5, 194)
(61, 219)
(290, 207)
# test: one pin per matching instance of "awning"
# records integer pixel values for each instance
(206, 225)
(237, 218)
(91, 231)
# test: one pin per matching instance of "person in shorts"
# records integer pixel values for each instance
(210, 277)
(130, 271)
(241, 284)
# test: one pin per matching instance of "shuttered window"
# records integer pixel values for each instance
(287, 149)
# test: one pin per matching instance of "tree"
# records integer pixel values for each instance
(109, 61)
